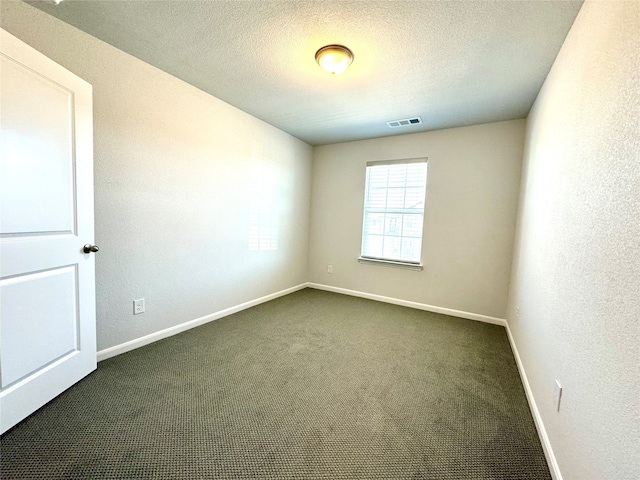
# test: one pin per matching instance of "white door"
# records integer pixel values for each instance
(47, 282)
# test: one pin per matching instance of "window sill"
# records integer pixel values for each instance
(390, 263)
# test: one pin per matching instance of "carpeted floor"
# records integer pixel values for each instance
(314, 385)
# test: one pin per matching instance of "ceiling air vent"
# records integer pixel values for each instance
(405, 122)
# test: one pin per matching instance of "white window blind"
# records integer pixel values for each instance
(394, 210)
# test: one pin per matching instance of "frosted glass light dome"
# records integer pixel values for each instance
(334, 58)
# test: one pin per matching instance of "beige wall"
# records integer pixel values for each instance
(576, 274)
(175, 197)
(472, 193)
(177, 180)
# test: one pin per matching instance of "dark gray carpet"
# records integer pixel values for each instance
(314, 385)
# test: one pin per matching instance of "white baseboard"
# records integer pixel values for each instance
(154, 337)
(537, 418)
(168, 332)
(407, 303)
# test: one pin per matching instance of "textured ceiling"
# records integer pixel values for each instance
(453, 63)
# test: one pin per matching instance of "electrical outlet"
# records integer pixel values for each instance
(557, 395)
(329, 268)
(518, 312)
(138, 306)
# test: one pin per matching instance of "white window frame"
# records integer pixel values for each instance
(392, 262)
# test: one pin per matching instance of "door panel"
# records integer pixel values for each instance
(37, 173)
(47, 283)
(48, 300)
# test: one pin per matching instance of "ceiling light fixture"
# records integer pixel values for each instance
(334, 58)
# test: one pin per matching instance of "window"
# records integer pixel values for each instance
(393, 211)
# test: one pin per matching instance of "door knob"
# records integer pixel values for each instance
(90, 248)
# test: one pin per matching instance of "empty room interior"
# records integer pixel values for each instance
(425, 266)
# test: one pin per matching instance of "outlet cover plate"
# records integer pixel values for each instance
(138, 306)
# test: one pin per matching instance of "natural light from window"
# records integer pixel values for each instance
(394, 210)
(263, 216)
